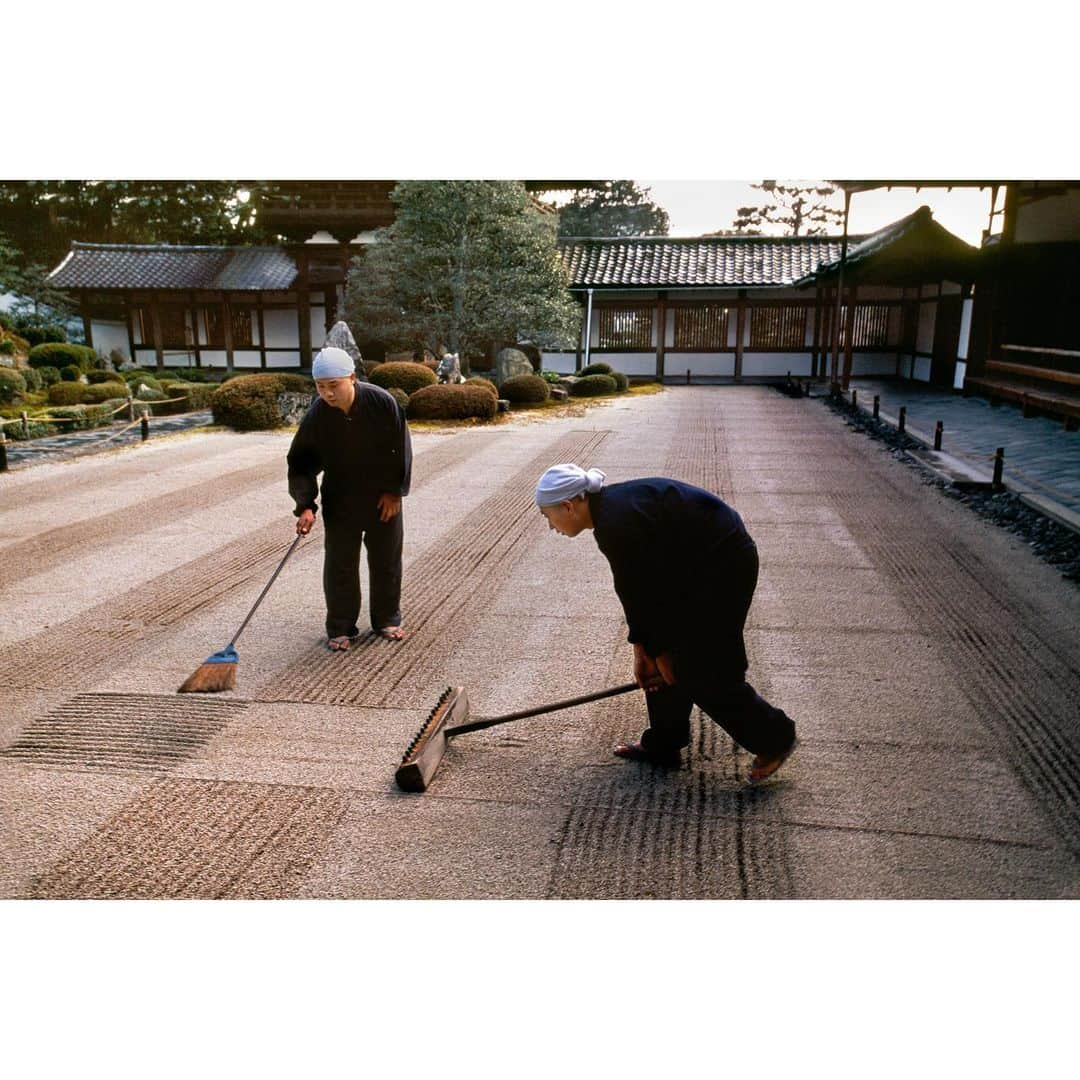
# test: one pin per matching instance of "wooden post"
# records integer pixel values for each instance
(661, 333)
(303, 309)
(226, 309)
(87, 322)
(849, 334)
(130, 327)
(262, 331)
(816, 341)
(195, 329)
(740, 332)
(839, 292)
(159, 349)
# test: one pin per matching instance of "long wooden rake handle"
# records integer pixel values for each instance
(281, 566)
(491, 721)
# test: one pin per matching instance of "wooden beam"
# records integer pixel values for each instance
(303, 309)
(740, 331)
(816, 339)
(195, 329)
(130, 327)
(226, 310)
(661, 333)
(849, 333)
(262, 331)
(159, 350)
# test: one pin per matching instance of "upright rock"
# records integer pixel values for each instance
(511, 362)
(341, 337)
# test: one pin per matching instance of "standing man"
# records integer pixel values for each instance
(357, 437)
(685, 569)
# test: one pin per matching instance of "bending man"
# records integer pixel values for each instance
(357, 437)
(685, 569)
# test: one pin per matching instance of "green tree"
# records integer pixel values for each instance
(38, 301)
(466, 263)
(797, 210)
(43, 217)
(616, 208)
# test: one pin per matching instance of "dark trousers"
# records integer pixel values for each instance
(710, 672)
(345, 532)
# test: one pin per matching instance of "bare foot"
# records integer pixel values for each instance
(392, 633)
(338, 644)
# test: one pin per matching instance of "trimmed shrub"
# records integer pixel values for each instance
(599, 368)
(484, 384)
(250, 402)
(552, 377)
(102, 392)
(193, 396)
(7, 347)
(400, 397)
(294, 383)
(593, 386)
(49, 375)
(66, 393)
(71, 373)
(621, 381)
(403, 374)
(451, 402)
(60, 355)
(80, 417)
(369, 367)
(6, 321)
(32, 377)
(41, 334)
(12, 385)
(137, 373)
(105, 376)
(138, 387)
(525, 390)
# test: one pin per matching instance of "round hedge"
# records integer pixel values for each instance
(12, 384)
(71, 373)
(451, 402)
(33, 377)
(49, 375)
(59, 354)
(403, 374)
(102, 392)
(525, 390)
(621, 381)
(484, 384)
(104, 376)
(400, 397)
(39, 334)
(66, 393)
(598, 368)
(593, 386)
(250, 402)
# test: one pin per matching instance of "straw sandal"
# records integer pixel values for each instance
(762, 768)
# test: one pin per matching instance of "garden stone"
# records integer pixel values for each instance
(504, 405)
(341, 337)
(293, 405)
(567, 382)
(511, 362)
(449, 369)
(558, 393)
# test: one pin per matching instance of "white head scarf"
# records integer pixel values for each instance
(562, 482)
(332, 363)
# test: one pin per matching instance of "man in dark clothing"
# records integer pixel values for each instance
(685, 569)
(357, 437)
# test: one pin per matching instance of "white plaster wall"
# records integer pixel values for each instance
(247, 358)
(282, 328)
(318, 326)
(108, 336)
(762, 363)
(214, 358)
(921, 372)
(1050, 220)
(867, 364)
(965, 329)
(560, 362)
(178, 358)
(283, 359)
(677, 364)
(924, 339)
(627, 363)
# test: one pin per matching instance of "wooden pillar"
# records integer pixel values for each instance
(159, 349)
(740, 331)
(303, 309)
(839, 293)
(849, 333)
(226, 314)
(130, 327)
(262, 330)
(661, 333)
(816, 341)
(195, 329)
(84, 309)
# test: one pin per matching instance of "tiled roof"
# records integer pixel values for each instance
(665, 262)
(915, 241)
(173, 266)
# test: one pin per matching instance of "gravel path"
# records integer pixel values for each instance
(929, 658)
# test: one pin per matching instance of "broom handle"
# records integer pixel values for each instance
(292, 548)
(477, 725)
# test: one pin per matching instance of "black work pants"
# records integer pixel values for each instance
(710, 672)
(346, 529)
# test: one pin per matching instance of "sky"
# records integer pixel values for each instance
(696, 207)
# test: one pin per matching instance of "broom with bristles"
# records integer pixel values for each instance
(218, 672)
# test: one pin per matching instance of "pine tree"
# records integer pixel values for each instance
(794, 209)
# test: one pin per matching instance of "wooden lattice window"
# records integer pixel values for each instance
(626, 328)
(175, 332)
(871, 326)
(774, 328)
(241, 328)
(703, 327)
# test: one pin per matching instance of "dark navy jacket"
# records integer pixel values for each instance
(670, 546)
(361, 455)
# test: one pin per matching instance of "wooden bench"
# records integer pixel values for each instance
(1037, 389)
